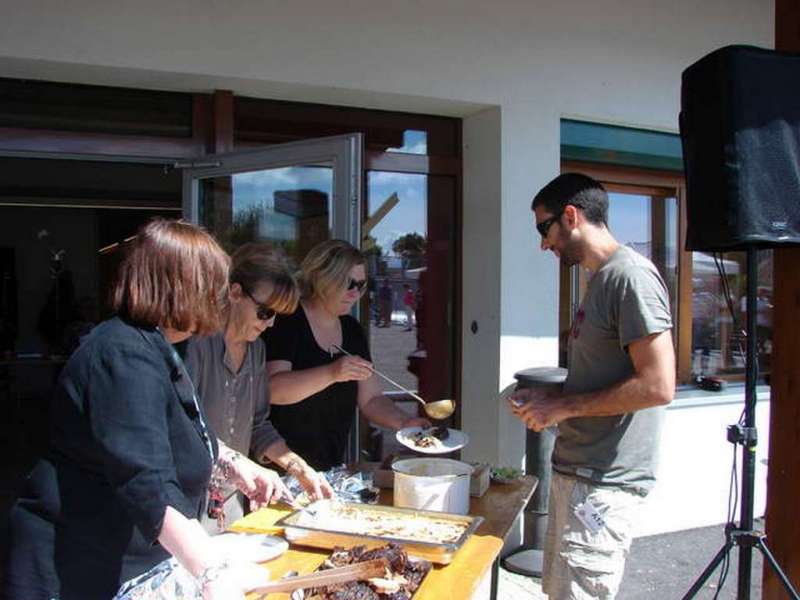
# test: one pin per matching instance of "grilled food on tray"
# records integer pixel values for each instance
(400, 581)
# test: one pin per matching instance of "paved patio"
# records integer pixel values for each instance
(661, 567)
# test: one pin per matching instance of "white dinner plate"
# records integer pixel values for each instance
(256, 547)
(455, 441)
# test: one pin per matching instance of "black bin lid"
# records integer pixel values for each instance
(540, 376)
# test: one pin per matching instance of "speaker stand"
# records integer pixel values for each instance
(746, 436)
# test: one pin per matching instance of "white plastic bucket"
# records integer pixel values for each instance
(439, 484)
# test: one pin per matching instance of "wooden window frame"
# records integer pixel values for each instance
(646, 182)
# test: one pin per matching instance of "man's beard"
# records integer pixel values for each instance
(571, 254)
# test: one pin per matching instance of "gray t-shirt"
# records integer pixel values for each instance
(625, 300)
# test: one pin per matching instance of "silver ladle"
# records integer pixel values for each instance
(441, 409)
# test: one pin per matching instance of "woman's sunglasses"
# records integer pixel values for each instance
(356, 284)
(263, 312)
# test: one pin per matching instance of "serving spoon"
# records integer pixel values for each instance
(441, 409)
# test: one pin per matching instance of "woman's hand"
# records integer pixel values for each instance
(314, 483)
(262, 486)
(350, 368)
(234, 581)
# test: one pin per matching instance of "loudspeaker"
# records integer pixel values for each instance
(740, 130)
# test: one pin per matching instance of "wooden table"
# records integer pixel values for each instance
(473, 571)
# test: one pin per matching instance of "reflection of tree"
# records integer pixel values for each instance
(247, 228)
(371, 247)
(411, 248)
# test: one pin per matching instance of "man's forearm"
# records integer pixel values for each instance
(632, 394)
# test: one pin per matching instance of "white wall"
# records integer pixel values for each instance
(528, 63)
(695, 466)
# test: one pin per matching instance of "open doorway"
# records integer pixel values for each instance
(59, 222)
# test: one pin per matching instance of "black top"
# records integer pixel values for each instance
(126, 442)
(317, 427)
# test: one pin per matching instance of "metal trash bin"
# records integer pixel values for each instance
(527, 560)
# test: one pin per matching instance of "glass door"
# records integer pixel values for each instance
(293, 195)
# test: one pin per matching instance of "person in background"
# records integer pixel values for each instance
(126, 474)
(228, 369)
(314, 387)
(409, 304)
(609, 413)
(385, 302)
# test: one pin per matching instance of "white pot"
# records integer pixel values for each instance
(439, 484)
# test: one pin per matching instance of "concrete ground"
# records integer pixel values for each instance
(660, 567)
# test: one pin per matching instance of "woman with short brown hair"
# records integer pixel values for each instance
(126, 474)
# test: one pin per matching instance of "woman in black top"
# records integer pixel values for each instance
(130, 456)
(315, 389)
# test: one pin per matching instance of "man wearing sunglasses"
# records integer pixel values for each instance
(609, 412)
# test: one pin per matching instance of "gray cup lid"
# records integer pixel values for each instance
(541, 376)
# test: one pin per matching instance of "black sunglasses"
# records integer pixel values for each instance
(263, 312)
(544, 227)
(356, 284)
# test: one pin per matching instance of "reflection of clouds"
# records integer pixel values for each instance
(409, 215)
(403, 180)
(255, 190)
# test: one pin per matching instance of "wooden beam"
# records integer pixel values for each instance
(783, 476)
(45, 141)
(222, 140)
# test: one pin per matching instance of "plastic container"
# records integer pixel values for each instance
(438, 484)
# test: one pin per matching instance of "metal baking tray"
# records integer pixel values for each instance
(322, 537)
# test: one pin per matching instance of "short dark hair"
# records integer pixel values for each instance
(174, 275)
(581, 191)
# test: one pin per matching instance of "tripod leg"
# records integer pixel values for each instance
(777, 570)
(698, 584)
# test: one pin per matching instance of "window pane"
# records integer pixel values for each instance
(718, 342)
(411, 270)
(649, 225)
(288, 206)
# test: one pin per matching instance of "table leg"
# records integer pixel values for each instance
(495, 578)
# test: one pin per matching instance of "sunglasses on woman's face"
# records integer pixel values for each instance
(357, 284)
(263, 312)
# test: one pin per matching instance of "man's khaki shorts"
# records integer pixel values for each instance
(578, 563)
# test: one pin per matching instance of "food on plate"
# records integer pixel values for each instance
(430, 438)
(401, 580)
(363, 520)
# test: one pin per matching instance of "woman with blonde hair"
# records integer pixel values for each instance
(315, 388)
(125, 478)
(228, 370)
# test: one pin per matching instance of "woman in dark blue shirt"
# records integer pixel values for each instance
(128, 467)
